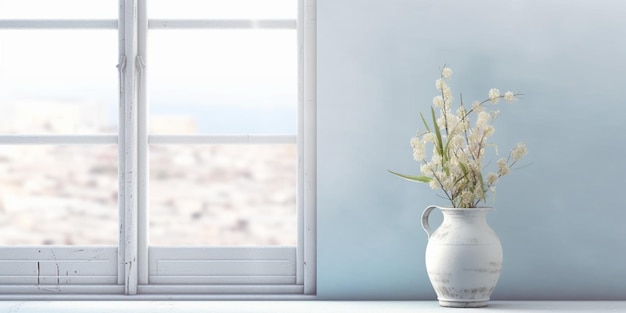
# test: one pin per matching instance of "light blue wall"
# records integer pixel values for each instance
(562, 220)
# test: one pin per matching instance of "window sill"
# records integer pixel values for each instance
(301, 306)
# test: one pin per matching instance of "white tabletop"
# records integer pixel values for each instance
(302, 306)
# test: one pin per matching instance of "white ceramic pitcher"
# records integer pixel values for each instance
(463, 256)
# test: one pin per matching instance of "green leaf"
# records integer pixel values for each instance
(483, 191)
(424, 121)
(420, 179)
(438, 133)
(464, 168)
(439, 144)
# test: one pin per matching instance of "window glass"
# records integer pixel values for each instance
(223, 194)
(58, 82)
(223, 81)
(58, 195)
(58, 9)
(222, 9)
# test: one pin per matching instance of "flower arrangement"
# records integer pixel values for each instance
(459, 144)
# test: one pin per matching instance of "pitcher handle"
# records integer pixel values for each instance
(425, 216)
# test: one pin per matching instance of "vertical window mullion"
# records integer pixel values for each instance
(308, 23)
(121, 142)
(299, 136)
(142, 131)
(128, 143)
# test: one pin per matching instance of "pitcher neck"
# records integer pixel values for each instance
(466, 212)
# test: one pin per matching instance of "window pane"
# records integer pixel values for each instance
(58, 195)
(58, 9)
(222, 9)
(58, 81)
(223, 195)
(223, 81)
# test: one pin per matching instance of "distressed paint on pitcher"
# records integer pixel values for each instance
(463, 257)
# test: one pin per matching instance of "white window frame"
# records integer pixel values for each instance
(130, 268)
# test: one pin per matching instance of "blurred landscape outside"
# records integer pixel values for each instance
(199, 194)
(65, 82)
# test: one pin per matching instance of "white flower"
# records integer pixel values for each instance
(453, 120)
(492, 178)
(478, 151)
(509, 96)
(447, 182)
(456, 142)
(464, 125)
(518, 152)
(503, 168)
(418, 149)
(476, 106)
(494, 95)
(441, 122)
(438, 101)
(459, 141)
(483, 119)
(488, 130)
(426, 168)
(429, 137)
(434, 184)
(461, 112)
(440, 84)
(447, 95)
(446, 72)
(467, 198)
(436, 159)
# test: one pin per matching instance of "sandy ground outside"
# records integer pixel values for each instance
(198, 195)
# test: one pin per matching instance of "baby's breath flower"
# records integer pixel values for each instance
(440, 84)
(460, 112)
(441, 122)
(488, 130)
(494, 95)
(453, 120)
(464, 125)
(447, 182)
(436, 158)
(438, 101)
(518, 152)
(503, 168)
(483, 119)
(478, 151)
(447, 95)
(476, 106)
(459, 140)
(509, 96)
(418, 149)
(429, 137)
(456, 143)
(467, 197)
(434, 184)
